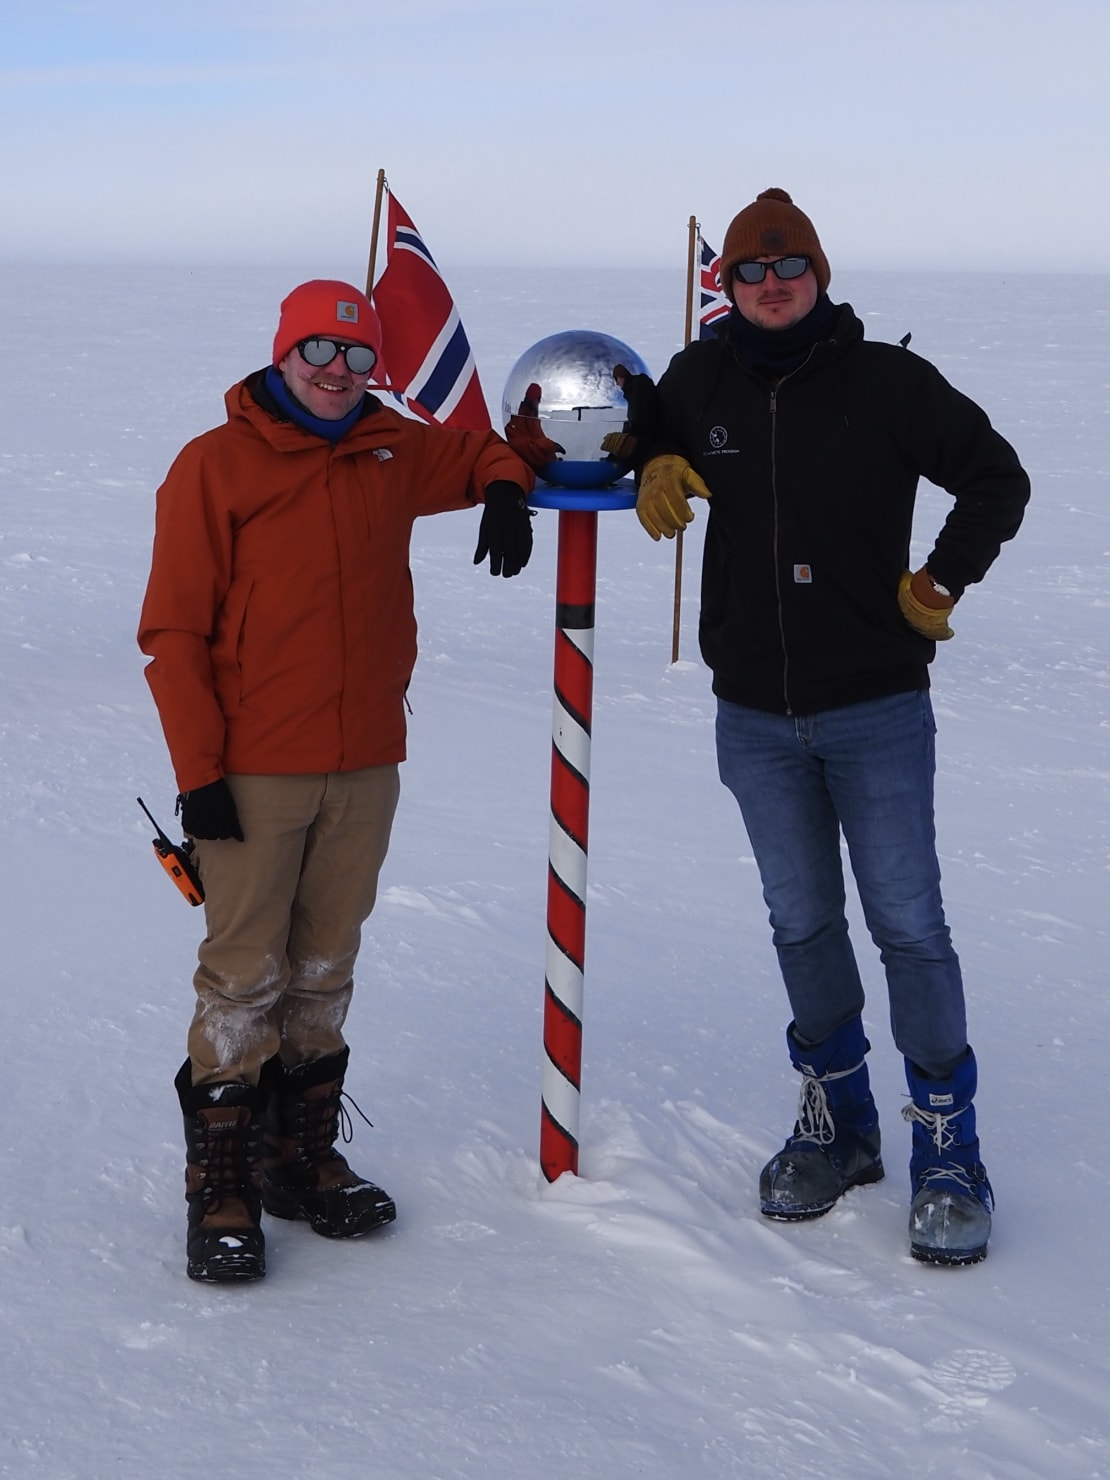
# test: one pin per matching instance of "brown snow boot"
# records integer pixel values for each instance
(304, 1176)
(223, 1178)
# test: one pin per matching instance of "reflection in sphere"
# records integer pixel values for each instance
(580, 402)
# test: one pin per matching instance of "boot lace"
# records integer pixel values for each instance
(346, 1124)
(326, 1120)
(815, 1120)
(227, 1158)
(938, 1125)
(944, 1138)
(952, 1172)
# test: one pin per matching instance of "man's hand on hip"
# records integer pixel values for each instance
(924, 607)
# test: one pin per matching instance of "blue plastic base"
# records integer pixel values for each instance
(595, 473)
(620, 495)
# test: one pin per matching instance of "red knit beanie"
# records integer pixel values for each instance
(772, 226)
(325, 308)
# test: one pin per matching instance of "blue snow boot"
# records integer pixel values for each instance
(950, 1216)
(835, 1144)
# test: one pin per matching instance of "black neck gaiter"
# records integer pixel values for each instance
(776, 352)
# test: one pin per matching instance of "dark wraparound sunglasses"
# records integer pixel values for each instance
(785, 267)
(360, 358)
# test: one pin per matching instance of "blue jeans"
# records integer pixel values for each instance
(865, 770)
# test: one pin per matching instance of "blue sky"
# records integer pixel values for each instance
(916, 133)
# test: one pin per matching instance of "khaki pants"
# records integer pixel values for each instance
(284, 911)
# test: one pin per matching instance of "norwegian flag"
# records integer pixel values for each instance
(425, 352)
(713, 305)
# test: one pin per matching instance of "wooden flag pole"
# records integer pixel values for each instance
(691, 254)
(382, 187)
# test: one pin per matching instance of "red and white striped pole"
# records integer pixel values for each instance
(568, 847)
(571, 722)
(579, 370)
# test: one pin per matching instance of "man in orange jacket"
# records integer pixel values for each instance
(279, 618)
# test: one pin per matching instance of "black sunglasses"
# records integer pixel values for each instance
(360, 358)
(785, 267)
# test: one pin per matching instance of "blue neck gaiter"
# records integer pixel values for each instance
(331, 431)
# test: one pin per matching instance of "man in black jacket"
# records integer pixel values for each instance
(809, 443)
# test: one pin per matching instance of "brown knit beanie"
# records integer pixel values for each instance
(772, 225)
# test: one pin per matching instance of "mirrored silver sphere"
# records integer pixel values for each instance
(580, 402)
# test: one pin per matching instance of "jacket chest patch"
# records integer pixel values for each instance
(803, 575)
(717, 440)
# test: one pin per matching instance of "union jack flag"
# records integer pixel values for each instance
(713, 305)
(426, 355)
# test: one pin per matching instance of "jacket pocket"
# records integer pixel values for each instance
(227, 647)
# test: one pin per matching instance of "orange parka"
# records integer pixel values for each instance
(279, 610)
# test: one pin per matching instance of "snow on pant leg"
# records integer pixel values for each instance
(344, 852)
(766, 762)
(250, 890)
(880, 764)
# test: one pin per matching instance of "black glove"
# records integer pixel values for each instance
(209, 812)
(505, 533)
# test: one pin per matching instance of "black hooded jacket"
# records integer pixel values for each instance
(813, 482)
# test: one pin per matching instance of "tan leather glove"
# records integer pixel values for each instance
(925, 609)
(620, 446)
(663, 504)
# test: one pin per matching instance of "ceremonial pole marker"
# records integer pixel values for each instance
(568, 844)
(568, 382)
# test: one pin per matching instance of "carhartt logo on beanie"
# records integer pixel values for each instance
(326, 307)
(772, 226)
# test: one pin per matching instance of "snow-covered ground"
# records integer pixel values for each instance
(643, 1320)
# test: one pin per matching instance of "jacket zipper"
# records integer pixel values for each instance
(775, 545)
(775, 525)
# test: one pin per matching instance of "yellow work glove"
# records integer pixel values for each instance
(925, 609)
(663, 504)
(619, 446)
